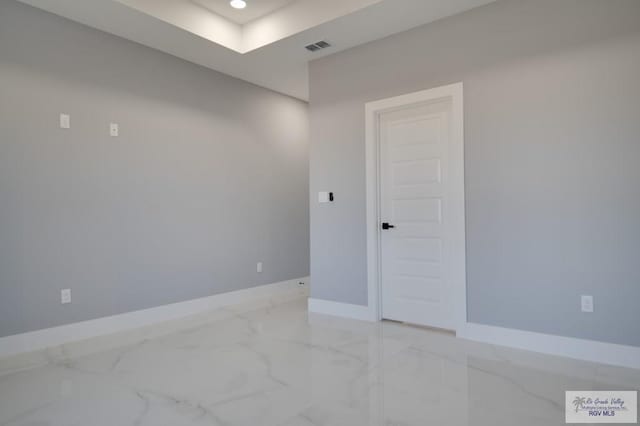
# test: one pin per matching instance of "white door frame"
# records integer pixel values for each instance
(455, 194)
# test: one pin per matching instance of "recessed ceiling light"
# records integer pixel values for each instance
(238, 4)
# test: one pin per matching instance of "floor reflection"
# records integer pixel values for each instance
(280, 366)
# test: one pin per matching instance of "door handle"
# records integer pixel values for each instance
(386, 226)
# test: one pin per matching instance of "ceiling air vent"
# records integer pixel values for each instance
(317, 46)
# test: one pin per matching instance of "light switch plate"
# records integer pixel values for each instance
(323, 197)
(65, 121)
(259, 267)
(114, 130)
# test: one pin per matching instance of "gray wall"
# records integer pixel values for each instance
(552, 122)
(208, 177)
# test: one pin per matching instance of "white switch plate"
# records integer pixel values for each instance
(259, 267)
(65, 121)
(323, 197)
(65, 296)
(587, 303)
(114, 130)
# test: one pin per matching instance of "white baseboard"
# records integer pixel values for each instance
(56, 336)
(569, 347)
(586, 350)
(337, 309)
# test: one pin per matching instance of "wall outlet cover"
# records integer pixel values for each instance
(65, 296)
(586, 303)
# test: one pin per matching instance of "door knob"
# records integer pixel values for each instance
(386, 226)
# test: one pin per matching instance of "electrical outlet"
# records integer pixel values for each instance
(587, 303)
(259, 267)
(65, 296)
(65, 121)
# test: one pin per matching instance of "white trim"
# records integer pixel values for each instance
(586, 350)
(373, 111)
(49, 337)
(344, 310)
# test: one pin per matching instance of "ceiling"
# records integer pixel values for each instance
(257, 9)
(263, 43)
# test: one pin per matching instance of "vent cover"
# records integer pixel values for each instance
(319, 45)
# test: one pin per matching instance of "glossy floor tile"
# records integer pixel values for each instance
(279, 366)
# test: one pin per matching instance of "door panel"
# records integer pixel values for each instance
(416, 172)
(418, 210)
(416, 287)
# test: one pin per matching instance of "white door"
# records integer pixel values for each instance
(417, 248)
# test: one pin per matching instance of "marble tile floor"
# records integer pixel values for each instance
(278, 365)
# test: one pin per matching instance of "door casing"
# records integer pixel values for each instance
(373, 110)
